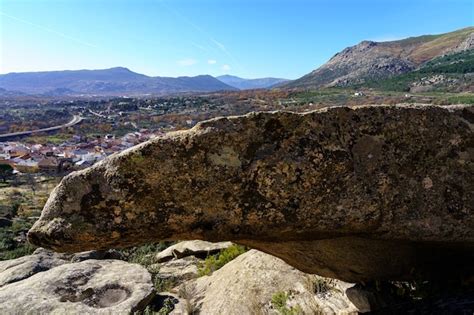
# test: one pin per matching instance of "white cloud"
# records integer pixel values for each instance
(187, 62)
(225, 68)
(211, 61)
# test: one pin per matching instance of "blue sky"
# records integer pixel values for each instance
(189, 37)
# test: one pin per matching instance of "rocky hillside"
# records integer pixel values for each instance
(449, 73)
(114, 81)
(369, 60)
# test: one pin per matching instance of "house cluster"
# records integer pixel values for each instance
(76, 153)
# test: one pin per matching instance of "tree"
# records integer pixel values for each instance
(30, 180)
(6, 171)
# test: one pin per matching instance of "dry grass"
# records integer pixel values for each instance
(436, 46)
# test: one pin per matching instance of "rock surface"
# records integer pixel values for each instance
(88, 287)
(21, 268)
(191, 248)
(178, 270)
(247, 284)
(376, 192)
(97, 254)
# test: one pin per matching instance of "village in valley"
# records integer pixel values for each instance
(102, 127)
(74, 154)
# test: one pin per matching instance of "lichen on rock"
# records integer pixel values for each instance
(335, 192)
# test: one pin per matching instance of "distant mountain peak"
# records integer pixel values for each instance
(370, 60)
(122, 69)
(248, 84)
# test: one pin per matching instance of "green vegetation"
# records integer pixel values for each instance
(460, 99)
(163, 285)
(6, 171)
(53, 139)
(452, 66)
(9, 247)
(144, 255)
(325, 96)
(279, 300)
(462, 62)
(16, 252)
(21, 200)
(166, 308)
(215, 262)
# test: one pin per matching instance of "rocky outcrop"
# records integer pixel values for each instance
(249, 283)
(21, 268)
(195, 248)
(366, 60)
(88, 287)
(467, 44)
(377, 192)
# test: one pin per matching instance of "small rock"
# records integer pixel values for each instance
(97, 254)
(178, 270)
(195, 248)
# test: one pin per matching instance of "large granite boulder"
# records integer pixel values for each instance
(258, 283)
(88, 287)
(375, 192)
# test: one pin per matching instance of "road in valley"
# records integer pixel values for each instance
(74, 121)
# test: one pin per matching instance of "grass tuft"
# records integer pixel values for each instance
(215, 262)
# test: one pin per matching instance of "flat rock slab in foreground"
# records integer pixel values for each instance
(377, 192)
(18, 269)
(88, 287)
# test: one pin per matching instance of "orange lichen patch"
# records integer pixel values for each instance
(130, 215)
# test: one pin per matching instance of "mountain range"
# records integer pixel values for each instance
(445, 60)
(120, 81)
(249, 84)
(113, 81)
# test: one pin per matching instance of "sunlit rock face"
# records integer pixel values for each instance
(375, 192)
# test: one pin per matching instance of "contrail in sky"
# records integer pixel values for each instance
(46, 29)
(199, 29)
